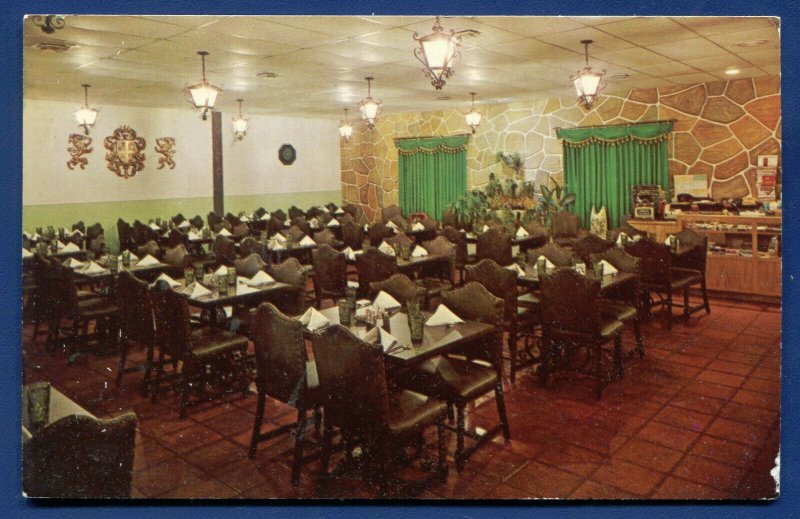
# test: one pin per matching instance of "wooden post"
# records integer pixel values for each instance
(216, 146)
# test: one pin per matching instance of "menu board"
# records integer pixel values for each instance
(695, 185)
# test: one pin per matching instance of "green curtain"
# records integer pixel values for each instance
(602, 164)
(433, 173)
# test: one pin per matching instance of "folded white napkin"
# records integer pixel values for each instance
(314, 222)
(636, 237)
(323, 209)
(621, 238)
(196, 291)
(471, 235)
(60, 245)
(261, 278)
(244, 218)
(386, 248)
(184, 224)
(381, 336)
(366, 227)
(154, 227)
(485, 228)
(307, 241)
(516, 268)
(221, 271)
(521, 232)
(71, 247)
(443, 315)
(348, 253)
(36, 236)
(245, 289)
(225, 232)
(76, 231)
(276, 244)
(351, 283)
(390, 224)
(669, 241)
(93, 268)
(287, 223)
(134, 257)
(147, 261)
(313, 320)
(73, 263)
(417, 226)
(608, 268)
(333, 223)
(172, 283)
(386, 301)
(26, 235)
(548, 263)
(279, 237)
(165, 235)
(339, 211)
(26, 253)
(195, 235)
(419, 252)
(265, 217)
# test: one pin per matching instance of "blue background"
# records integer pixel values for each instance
(10, 286)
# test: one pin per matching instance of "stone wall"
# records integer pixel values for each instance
(721, 128)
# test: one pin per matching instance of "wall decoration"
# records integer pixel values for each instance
(79, 145)
(287, 154)
(125, 157)
(165, 146)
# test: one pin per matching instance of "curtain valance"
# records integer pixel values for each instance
(647, 133)
(431, 145)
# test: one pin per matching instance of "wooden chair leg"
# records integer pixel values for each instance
(705, 293)
(442, 444)
(638, 333)
(598, 362)
(669, 309)
(686, 311)
(317, 420)
(124, 344)
(188, 373)
(460, 430)
(159, 370)
(501, 408)
(262, 400)
(327, 438)
(298, 446)
(512, 348)
(618, 356)
(148, 369)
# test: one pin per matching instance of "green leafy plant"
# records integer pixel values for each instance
(512, 160)
(494, 187)
(510, 187)
(553, 201)
(507, 219)
(528, 189)
(471, 208)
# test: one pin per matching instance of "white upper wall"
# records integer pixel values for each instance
(251, 166)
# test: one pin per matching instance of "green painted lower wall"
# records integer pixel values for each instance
(107, 213)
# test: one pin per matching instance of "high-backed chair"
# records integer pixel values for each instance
(197, 222)
(151, 248)
(352, 234)
(294, 233)
(399, 222)
(694, 261)
(241, 230)
(178, 259)
(249, 246)
(590, 244)
(215, 221)
(373, 266)
(355, 211)
(291, 272)
(285, 374)
(224, 250)
(314, 212)
(79, 226)
(565, 228)
(177, 237)
(135, 323)
(274, 225)
(459, 239)
(330, 273)
(438, 276)
(80, 457)
(249, 265)
(279, 214)
(296, 212)
(324, 237)
(628, 229)
(494, 244)
(571, 317)
(357, 399)
(400, 239)
(125, 235)
(558, 256)
(400, 287)
(502, 282)
(390, 212)
(301, 223)
(379, 232)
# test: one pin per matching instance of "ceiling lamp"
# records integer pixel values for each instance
(437, 51)
(370, 108)
(239, 123)
(203, 94)
(588, 84)
(473, 117)
(86, 116)
(346, 129)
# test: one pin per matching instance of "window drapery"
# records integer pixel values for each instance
(432, 173)
(601, 165)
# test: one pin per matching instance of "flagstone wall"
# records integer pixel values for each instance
(720, 129)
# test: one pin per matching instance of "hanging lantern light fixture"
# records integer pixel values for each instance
(346, 129)
(86, 117)
(588, 84)
(473, 117)
(240, 123)
(438, 51)
(203, 95)
(370, 108)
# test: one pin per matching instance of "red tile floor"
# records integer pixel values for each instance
(697, 418)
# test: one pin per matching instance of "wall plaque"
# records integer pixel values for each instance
(125, 152)
(165, 146)
(79, 145)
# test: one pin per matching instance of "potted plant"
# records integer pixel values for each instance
(471, 208)
(553, 201)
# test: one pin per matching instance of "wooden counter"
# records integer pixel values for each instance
(657, 229)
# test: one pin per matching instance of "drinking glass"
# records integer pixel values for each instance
(541, 266)
(598, 269)
(112, 264)
(188, 276)
(231, 276)
(38, 405)
(90, 256)
(126, 258)
(344, 312)
(222, 284)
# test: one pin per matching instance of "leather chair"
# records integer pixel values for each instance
(379, 232)
(628, 229)
(241, 230)
(565, 228)
(330, 273)
(439, 276)
(400, 239)
(294, 233)
(358, 401)
(285, 374)
(325, 237)
(332, 207)
(461, 380)
(291, 301)
(449, 219)
(459, 239)
(215, 221)
(200, 351)
(502, 282)
(224, 250)
(125, 235)
(151, 248)
(694, 261)
(390, 212)
(279, 214)
(197, 222)
(177, 237)
(400, 287)
(296, 212)
(178, 259)
(373, 266)
(258, 213)
(274, 225)
(79, 457)
(135, 323)
(352, 234)
(232, 220)
(558, 256)
(249, 246)
(301, 223)
(572, 317)
(590, 244)
(494, 244)
(79, 226)
(249, 266)
(355, 211)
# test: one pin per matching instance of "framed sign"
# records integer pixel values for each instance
(287, 154)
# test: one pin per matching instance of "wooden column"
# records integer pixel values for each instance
(216, 147)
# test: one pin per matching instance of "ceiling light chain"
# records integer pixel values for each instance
(588, 84)
(49, 23)
(240, 123)
(438, 51)
(370, 108)
(346, 129)
(86, 117)
(203, 95)
(473, 118)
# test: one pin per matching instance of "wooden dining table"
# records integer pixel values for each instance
(607, 283)
(214, 303)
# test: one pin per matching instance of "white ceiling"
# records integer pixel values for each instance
(321, 61)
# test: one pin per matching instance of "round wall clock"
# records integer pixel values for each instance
(287, 154)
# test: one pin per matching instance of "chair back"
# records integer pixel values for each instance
(142, 233)
(280, 352)
(224, 250)
(390, 212)
(400, 239)
(372, 266)
(241, 230)
(354, 210)
(80, 456)
(135, 308)
(378, 232)
(151, 248)
(214, 221)
(177, 237)
(694, 259)
(588, 245)
(249, 246)
(63, 290)
(330, 270)
(324, 237)
(171, 313)
(495, 245)
(94, 231)
(570, 302)
(314, 212)
(449, 218)
(332, 207)
(558, 256)
(177, 257)
(441, 246)
(291, 272)
(565, 225)
(301, 223)
(620, 259)
(295, 233)
(79, 226)
(401, 223)
(296, 212)
(400, 287)
(250, 265)
(628, 229)
(460, 240)
(655, 261)
(125, 235)
(197, 222)
(274, 225)
(352, 379)
(473, 302)
(352, 234)
(499, 281)
(279, 214)
(97, 244)
(178, 219)
(232, 220)
(258, 213)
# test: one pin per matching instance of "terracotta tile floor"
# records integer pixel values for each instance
(698, 418)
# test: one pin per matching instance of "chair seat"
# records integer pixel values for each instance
(433, 286)
(207, 342)
(529, 300)
(617, 310)
(411, 412)
(96, 307)
(610, 328)
(453, 379)
(682, 278)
